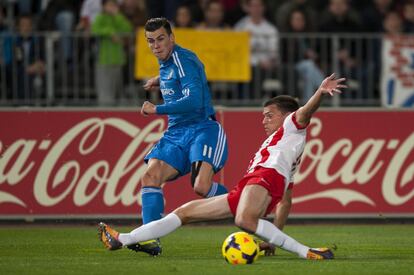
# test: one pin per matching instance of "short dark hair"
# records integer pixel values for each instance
(285, 103)
(154, 24)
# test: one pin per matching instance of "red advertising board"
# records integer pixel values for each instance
(89, 163)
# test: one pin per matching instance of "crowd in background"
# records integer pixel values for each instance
(320, 15)
(265, 20)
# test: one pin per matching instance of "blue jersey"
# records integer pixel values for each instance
(184, 88)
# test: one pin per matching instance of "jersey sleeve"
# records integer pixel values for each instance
(191, 88)
(291, 125)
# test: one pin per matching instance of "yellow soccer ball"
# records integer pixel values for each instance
(240, 248)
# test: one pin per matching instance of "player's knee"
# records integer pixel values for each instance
(246, 223)
(201, 187)
(150, 179)
(182, 213)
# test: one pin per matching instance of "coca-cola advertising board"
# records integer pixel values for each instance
(89, 163)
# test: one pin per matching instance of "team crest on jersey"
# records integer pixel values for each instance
(170, 74)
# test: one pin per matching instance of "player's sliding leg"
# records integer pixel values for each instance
(113, 240)
(253, 203)
(152, 230)
(198, 210)
(202, 180)
(270, 233)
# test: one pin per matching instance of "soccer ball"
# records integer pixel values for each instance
(240, 248)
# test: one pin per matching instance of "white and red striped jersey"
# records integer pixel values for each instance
(282, 150)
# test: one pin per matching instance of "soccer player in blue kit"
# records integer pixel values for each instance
(194, 141)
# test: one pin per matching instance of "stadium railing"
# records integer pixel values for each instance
(68, 79)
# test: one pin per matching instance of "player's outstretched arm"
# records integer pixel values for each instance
(329, 85)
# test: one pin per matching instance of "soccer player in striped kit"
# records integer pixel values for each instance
(194, 141)
(269, 174)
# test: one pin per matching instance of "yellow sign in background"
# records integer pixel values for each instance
(225, 54)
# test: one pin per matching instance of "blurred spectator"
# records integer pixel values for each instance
(264, 35)
(264, 41)
(213, 16)
(134, 11)
(393, 23)
(183, 17)
(61, 15)
(89, 10)
(110, 26)
(162, 8)
(214, 21)
(373, 16)
(299, 50)
(197, 10)
(339, 17)
(409, 17)
(23, 58)
(235, 12)
(282, 14)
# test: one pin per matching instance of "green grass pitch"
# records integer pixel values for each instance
(75, 249)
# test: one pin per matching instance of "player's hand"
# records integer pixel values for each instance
(148, 108)
(268, 248)
(330, 85)
(152, 84)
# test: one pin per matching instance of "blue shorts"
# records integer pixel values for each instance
(181, 146)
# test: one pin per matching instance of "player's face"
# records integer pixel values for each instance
(160, 43)
(272, 119)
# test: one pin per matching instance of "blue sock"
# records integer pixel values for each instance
(152, 204)
(216, 189)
